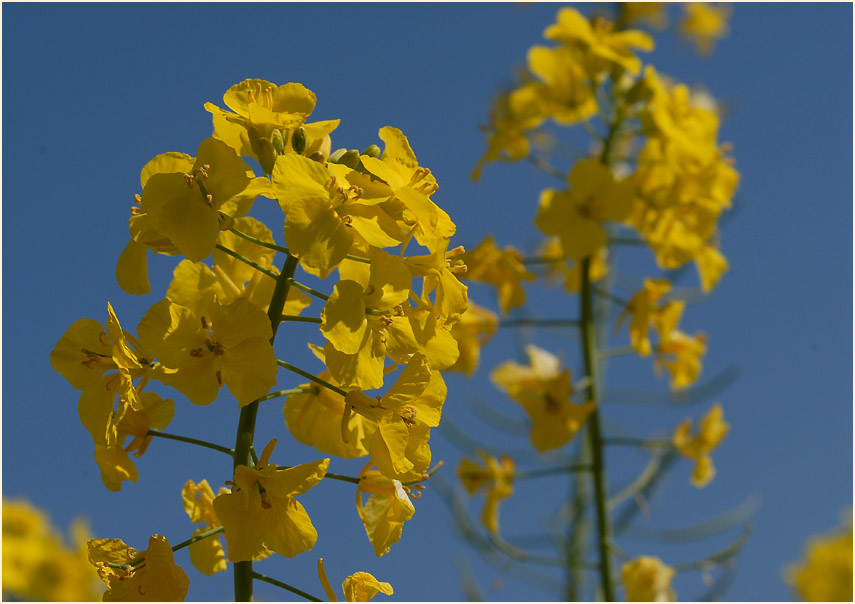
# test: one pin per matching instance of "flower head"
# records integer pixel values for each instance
(648, 579)
(711, 432)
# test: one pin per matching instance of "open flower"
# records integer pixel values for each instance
(711, 432)
(648, 579)
(230, 346)
(207, 554)
(502, 268)
(358, 587)
(387, 509)
(496, 476)
(543, 389)
(261, 513)
(158, 579)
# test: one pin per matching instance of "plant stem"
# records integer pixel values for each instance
(192, 441)
(300, 319)
(309, 376)
(539, 323)
(553, 471)
(268, 245)
(595, 442)
(248, 262)
(308, 290)
(246, 423)
(638, 442)
(285, 586)
(288, 392)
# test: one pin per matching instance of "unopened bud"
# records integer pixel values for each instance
(372, 151)
(298, 140)
(278, 140)
(335, 156)
(318, 156)
(350, 159)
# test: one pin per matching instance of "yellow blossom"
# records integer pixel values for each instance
(825, 572)
(705, 23)
(387, 509)
(261, 512)
(362, 587)
(543, 389)
(230, 346)
(575, 216)
(711, 432)
(602, 46)
(474, 329)
(502, 268)
(497, 476)
(158, 579)
(207, 554)
(648, 579)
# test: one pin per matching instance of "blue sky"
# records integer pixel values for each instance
(92, 92)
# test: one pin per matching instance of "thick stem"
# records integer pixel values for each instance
(246, 423)
(595, 439)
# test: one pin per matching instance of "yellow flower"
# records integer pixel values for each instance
(83, 355)
(602, 47)
(409, 189)
(679, 353)
(206, 555)
(704, 24)
(648, 579)
(113, 460)
(404, 416)
(575, 216)
(502, 268)
(158, 579)
(652, 13)
(37, 565)
(265, 118)
(825, 572)
(188, 207)
(439, 269)
(711, 432)
(229, 346)
(474, 329)
(324, 212)
(497, 476)
(642, 307)
(362, 587)
(543, 389)
(564, 91)
(261, 514)
(387, 509)
(358, 587)
(315, 419)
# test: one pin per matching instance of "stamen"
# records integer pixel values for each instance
(189, 180)
(209, 199)
(135, 211)
(219, 378)
(204, 323)
(138, 199)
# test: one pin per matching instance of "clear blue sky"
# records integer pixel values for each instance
(92, 92)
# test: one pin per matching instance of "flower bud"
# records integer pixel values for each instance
(298, 140)
(278, 141)
(335, 156)
(350, 159)
(372, 151)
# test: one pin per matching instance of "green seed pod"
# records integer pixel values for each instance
(298, 140)
(372, 151)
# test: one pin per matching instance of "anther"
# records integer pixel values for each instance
(397, 311)
(209, 199)
(204, 323)
(189, 180)
(348, 220)
(135, 211)
(138, 199)
(385, 321)
(219, 378)
(454, 252)
(197, 353)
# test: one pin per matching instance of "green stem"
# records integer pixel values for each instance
(341, 477)
(638, 442)
(247, 261)
(616, 352)
(285, 586)
(309, 376)
(539, 323)
(192, 441)
(288, 392)
(256, 241)
(589, 350)
(246, 423)
(609, 296)
(553, 471)
(308, 290)
(300, 319)
(547, 167)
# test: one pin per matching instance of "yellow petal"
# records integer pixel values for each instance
(343, 319)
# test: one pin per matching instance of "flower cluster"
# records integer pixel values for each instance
(357, 217)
